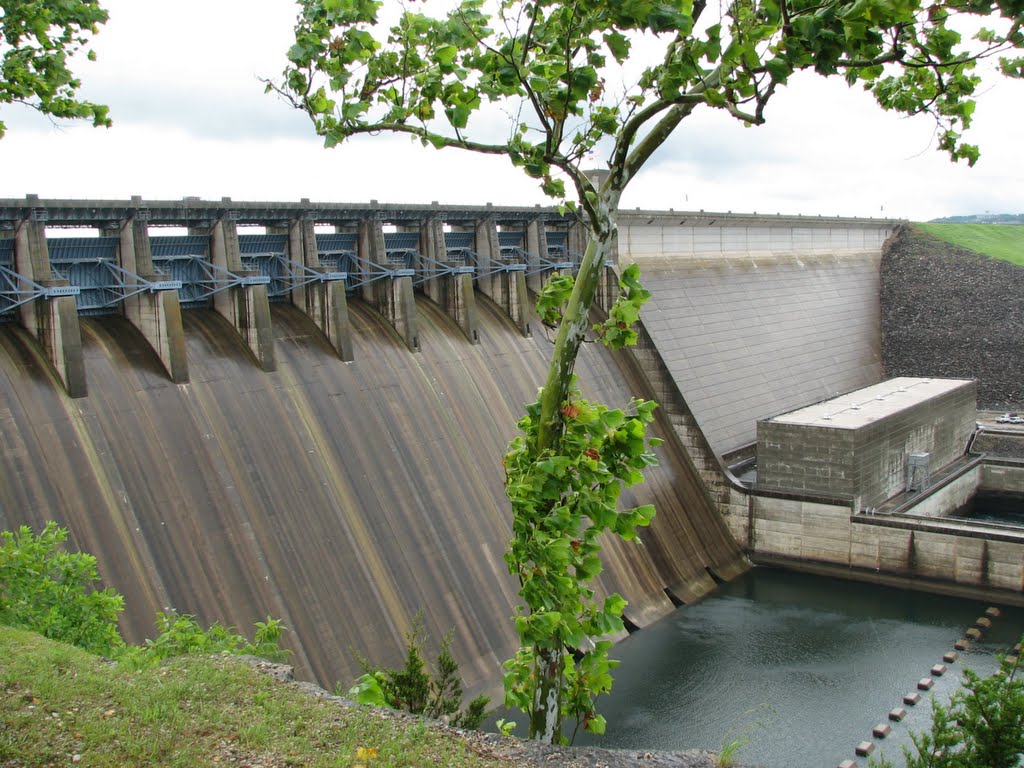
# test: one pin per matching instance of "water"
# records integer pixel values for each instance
(995, 507)
(804, 666)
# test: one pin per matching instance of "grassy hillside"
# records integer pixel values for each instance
(58, 702)
(996, 240)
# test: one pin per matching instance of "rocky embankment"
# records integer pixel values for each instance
(950, 312)
(522, 753)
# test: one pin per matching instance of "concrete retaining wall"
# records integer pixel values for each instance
(940, 551)
(952, 496)
(1002, 478)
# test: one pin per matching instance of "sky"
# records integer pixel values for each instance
(191, 119)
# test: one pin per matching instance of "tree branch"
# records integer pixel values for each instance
(658, 135)
(436, 139)
(632, 126)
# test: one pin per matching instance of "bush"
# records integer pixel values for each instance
(414, 689)
(50, 591)
(179, 634)
(47, 590)
(982, 727)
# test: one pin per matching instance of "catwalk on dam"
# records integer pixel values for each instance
(341, 497)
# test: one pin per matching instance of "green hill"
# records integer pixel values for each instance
(999, 241)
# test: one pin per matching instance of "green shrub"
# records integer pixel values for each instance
(982, 727)
(45, 589)
(415, 689)
(179, 634)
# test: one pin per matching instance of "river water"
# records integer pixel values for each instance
(802, 666)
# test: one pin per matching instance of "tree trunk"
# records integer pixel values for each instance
(574, 325)
(546, 718)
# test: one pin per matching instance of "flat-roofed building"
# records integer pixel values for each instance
(859, 445)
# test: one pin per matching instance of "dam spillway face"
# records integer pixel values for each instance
(309, 423)
(343, 497)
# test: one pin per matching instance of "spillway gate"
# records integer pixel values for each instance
(380, 254)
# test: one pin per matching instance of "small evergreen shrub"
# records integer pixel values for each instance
(435, 693)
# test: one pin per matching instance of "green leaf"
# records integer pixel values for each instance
(367, 691)
(614, 605)
(446, 54)
(778, 69)
(618, 44)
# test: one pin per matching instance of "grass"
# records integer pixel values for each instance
(58, 702)
(1000, 241)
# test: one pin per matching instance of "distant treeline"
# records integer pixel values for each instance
(982, 218)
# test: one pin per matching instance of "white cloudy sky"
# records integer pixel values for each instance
(191, 118)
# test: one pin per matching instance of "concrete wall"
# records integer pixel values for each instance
(749, 338)
(1001, 478)
(952, 496)
(944, 554)
(648, 237)
(802, 529)
(789, 530)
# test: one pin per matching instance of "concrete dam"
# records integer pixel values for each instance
(241, 456)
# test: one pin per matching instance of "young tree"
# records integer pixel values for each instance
(622, 74)
(37, 37)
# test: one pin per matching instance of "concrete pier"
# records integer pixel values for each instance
(537, 247)
(391, 296)
(325, 302)
(453, 292)
(245, 306)
(505, 287)
(156, 314)
(53, 321)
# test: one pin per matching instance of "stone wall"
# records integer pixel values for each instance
(952, 313)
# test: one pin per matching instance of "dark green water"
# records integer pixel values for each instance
(804, 666)
(993, 507)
